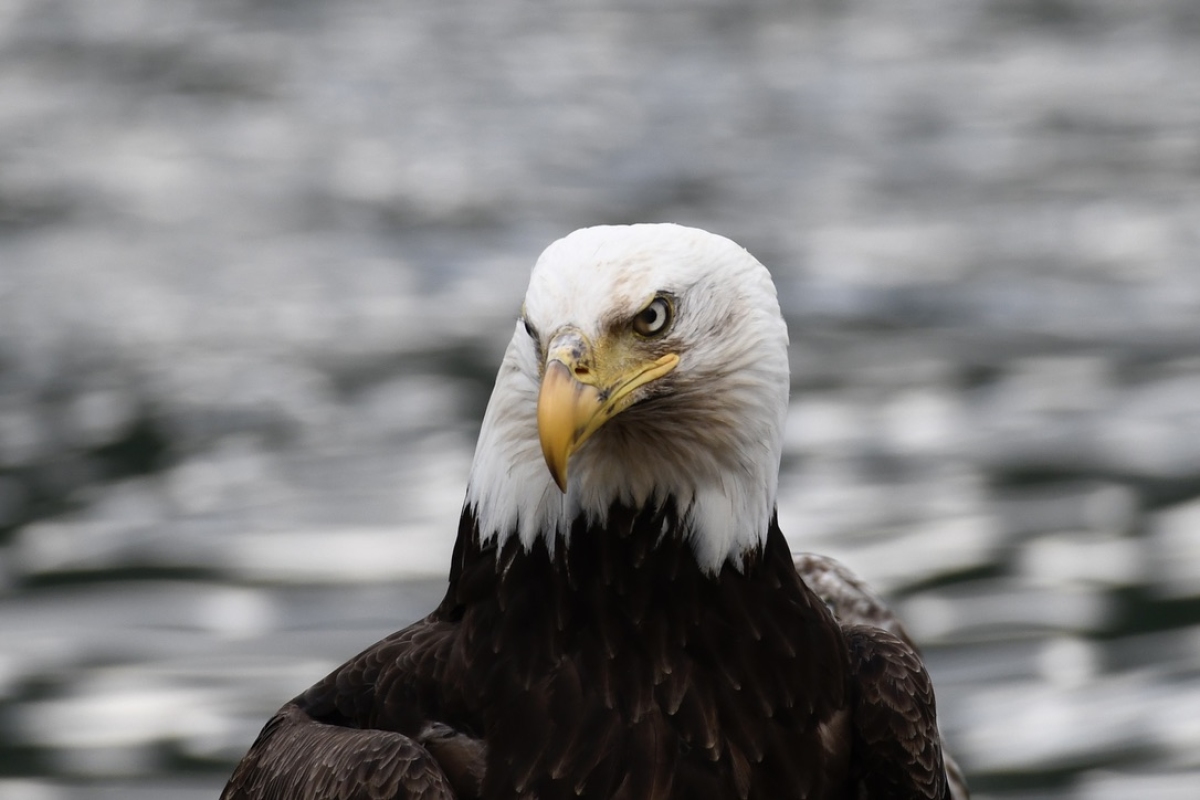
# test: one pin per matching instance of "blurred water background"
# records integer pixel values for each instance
(259, 259)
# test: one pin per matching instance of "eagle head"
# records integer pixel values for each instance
(649, 364)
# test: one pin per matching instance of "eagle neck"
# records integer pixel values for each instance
(627, 557)
(636, 570)
(621, 636)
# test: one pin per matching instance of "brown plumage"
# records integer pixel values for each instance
(894, 701)
(574, 674)
(634, 627)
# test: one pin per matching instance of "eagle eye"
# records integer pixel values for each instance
(655, 319)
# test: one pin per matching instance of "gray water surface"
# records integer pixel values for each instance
(258, 262)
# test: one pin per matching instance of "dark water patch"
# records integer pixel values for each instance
(473, 365)
(1050, 469)
(14, 501)
(144, 449)
(1026, 786)
(1162, 493)
(165, 68)
(27, 208)
(125, 576)
(23, 761)
(943, 580)
(1058, 16)
(52, 484)
(1144, 610)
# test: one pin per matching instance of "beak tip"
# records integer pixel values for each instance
(558, 471)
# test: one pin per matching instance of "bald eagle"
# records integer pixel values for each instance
(623, 617)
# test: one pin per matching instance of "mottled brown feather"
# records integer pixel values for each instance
(897, 748)
(298, 758)
(895, 714)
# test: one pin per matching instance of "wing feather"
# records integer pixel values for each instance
(371, 730)
(296, 757)
(895, 718)
(898, 751)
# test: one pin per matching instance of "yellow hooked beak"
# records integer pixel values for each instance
(583, 388)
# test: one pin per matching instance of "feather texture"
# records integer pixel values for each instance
(646, 634)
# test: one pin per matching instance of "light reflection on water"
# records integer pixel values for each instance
(259, 264)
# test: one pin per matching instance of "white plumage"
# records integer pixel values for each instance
(720, 464)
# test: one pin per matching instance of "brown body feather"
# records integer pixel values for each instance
(612, 667)
(893, 690)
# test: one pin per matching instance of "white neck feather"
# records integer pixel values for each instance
(714, 450)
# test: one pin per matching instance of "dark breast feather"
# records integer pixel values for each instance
(610, 668)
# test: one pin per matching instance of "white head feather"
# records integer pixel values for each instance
(713, 443)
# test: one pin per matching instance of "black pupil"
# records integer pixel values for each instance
(652, 317)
